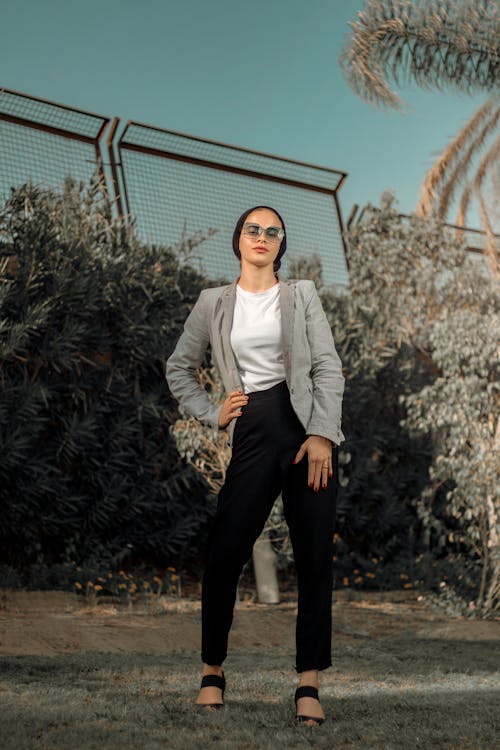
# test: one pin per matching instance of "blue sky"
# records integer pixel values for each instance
(263, 75)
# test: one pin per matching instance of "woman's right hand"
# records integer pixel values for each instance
(231, 407)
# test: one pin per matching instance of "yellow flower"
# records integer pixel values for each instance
(110, 575)
(174, 577)
(147, 585)
(171, 568)
(78, 585)
(100, 579)
(356, 571)
(122, 573)
(122, 585)
(358, 579)
(89, 584)
(370, 575)
(408, 585)
(155, 578)
(403, 576)
(345, 581)
(374, 560)
(98, 587)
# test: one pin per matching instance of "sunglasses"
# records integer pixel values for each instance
(273, 234)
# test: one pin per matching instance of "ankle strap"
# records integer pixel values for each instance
(212, 680)
(306, 691)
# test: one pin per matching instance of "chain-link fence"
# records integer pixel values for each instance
(175, 185)
(45, 142)
(179, 184)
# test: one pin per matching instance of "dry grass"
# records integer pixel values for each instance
(401, 692)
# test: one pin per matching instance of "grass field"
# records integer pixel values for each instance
(393, 685)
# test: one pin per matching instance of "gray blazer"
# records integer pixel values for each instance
(312, 366)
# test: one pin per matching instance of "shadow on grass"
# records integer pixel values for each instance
(403, 693)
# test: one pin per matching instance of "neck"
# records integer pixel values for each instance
(254, 279)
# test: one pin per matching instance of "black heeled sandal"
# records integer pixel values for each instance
(213, 680)
(306, 691)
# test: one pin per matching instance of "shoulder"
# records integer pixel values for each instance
(301, 284)
(212, 293)
(303, 287)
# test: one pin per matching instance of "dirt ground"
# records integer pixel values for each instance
(58, 622)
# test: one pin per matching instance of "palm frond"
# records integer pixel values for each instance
(459, 172)
(432, 192)
(492, 156)
(491, 247)
(463, 206)
(434, 43)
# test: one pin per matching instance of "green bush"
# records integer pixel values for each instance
(418, 337)
(382, 469)
(88, 315)
(89, 473)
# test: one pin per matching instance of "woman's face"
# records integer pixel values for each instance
(260, 251)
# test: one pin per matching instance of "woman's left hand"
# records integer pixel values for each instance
(319, 451)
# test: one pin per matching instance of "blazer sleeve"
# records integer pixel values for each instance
(181, 366)
(326, 373)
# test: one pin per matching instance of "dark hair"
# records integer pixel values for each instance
(239, 227)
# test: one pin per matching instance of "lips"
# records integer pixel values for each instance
(261, 248)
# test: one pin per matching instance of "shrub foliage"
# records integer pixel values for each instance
(88, 315)
(418, 336)
(88, 465)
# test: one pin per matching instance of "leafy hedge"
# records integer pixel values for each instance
(88, 316)
(418, 337)
(88, 469)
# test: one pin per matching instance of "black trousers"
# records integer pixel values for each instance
(266, 438)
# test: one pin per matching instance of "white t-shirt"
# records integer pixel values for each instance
(256, 338)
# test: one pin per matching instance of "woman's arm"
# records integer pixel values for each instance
(328, 388)
(184, 361)
(326, 373)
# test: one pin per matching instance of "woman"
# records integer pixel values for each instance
(274, 349)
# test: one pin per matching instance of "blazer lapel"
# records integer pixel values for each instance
(287, 300)
(225, 324)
